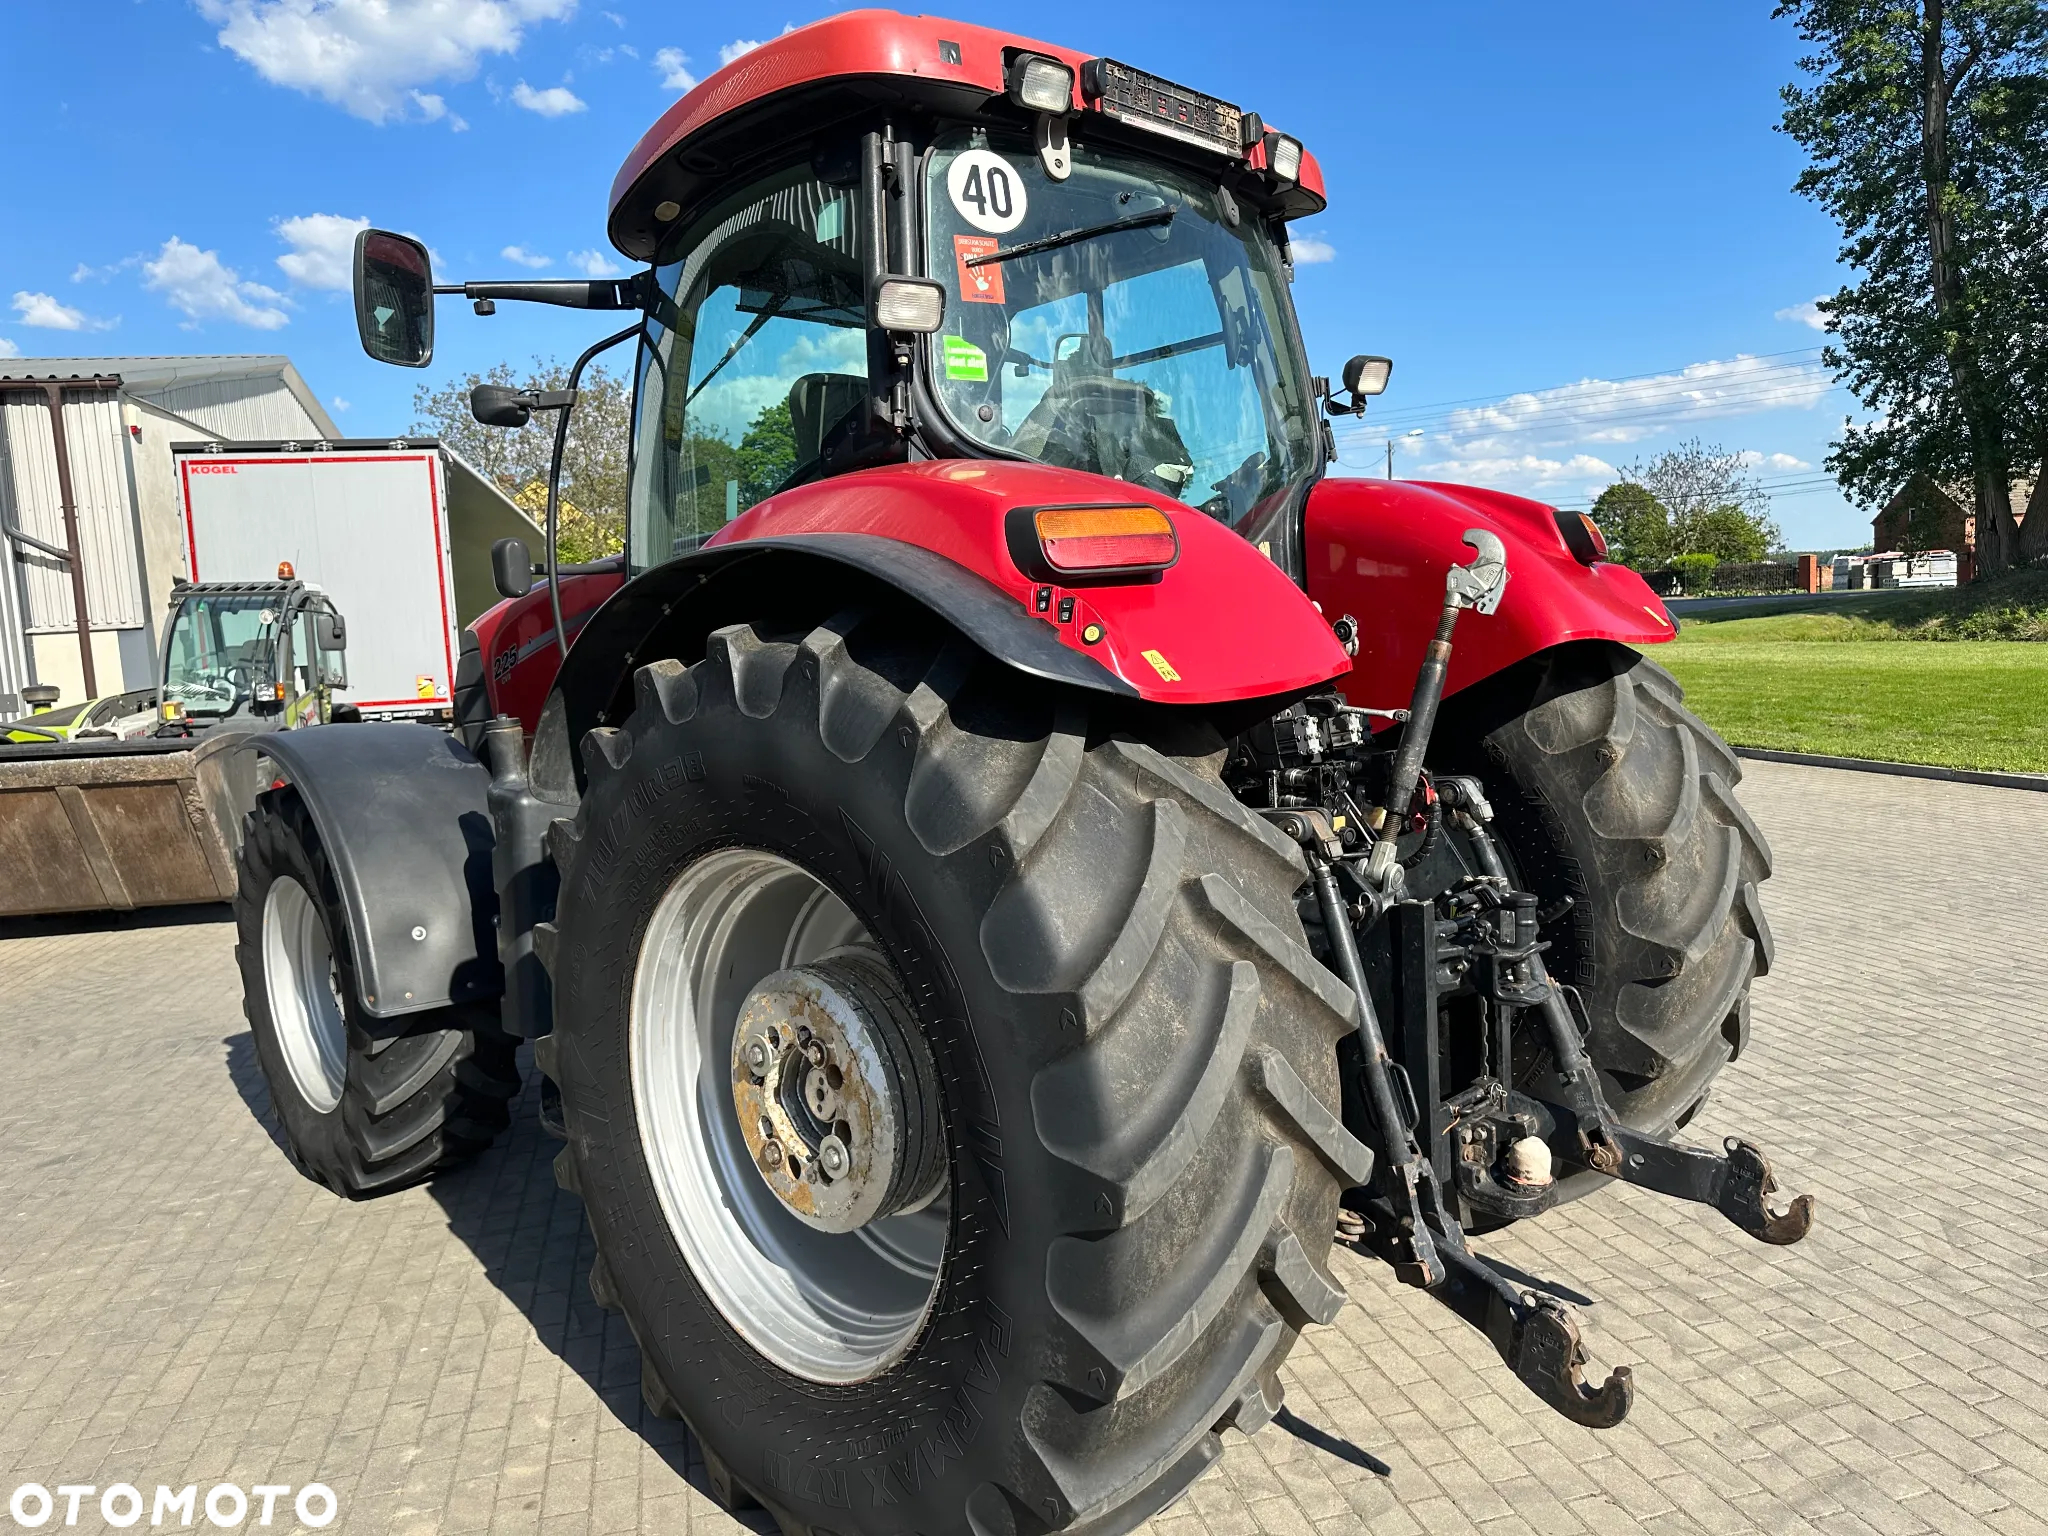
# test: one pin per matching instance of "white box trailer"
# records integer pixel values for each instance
(398, 534)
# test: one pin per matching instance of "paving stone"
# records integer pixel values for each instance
(178, 1305)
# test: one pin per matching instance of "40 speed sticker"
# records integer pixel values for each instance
(987, 191)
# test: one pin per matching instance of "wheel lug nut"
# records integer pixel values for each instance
(832, 1156)
(757, 1058)
(771, 1156)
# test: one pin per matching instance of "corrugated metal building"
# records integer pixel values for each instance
(110, 495)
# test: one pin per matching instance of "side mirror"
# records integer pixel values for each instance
(394, 283)
(330, 631)
(494, 405)
(511, 568)
(1368, 375)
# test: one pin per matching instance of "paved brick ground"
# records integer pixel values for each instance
(178, 1306)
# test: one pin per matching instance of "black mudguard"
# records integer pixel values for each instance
(402, 813)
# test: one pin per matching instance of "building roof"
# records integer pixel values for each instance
(153, 377)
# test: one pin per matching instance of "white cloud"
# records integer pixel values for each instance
(204, 288)
(323, 249)
(8, 348)
(367, 56)
(338, 403)
(739, 47)
(1309, 250)
(43, 310)
(1626, 410)
(1806, 314)
(673, 66)
(435, 108)
(1522, 469)
(594, 263)
(613, 17)
(1784, 462)
(555, 101)
(526, 258)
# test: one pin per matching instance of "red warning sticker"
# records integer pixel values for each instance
(978, 285)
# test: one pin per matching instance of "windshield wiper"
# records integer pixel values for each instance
(1075, 236)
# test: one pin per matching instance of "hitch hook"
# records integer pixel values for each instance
(1540, 1343)
(1746, 1189)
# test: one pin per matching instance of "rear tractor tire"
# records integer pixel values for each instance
(1616, 805)
(366, 1105)
(947, 1081)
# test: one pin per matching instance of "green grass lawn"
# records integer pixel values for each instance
(1843, 681)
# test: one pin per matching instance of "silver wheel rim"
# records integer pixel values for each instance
(305, 1002)
(826, 1306)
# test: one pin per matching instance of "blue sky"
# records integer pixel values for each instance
(1570, 225)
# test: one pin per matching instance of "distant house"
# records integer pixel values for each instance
(1923, 514)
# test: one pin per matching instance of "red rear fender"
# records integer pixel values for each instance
(1223, 624)
(1378, 550)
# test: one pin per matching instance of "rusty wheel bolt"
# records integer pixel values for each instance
(832, 1156)
(771, 1157)
(757, 1058)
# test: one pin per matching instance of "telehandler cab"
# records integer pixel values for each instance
(1018, 860)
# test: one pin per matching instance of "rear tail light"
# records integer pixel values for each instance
(1086, 540)
(1582, 536)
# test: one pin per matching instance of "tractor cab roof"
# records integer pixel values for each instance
(847, 69)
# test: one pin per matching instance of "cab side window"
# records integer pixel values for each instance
(762, 366)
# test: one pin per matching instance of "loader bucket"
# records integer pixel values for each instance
(89, 826)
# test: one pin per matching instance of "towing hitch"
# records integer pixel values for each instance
(1482, 1147)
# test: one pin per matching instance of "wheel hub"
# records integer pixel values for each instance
(835, 1094)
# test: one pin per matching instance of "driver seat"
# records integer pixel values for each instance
(818, 404)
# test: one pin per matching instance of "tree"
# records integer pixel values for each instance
(1733, 536)
(1693, 499)
(1636, 525)
(593, 462)
(1927, 128)
(767, 453)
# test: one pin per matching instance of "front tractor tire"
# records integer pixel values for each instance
(1617, 808)
(366, 1105)
(947, 1081)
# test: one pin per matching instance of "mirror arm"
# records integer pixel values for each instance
(555, 483)
(635, 292)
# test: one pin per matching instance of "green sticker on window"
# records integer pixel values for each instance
(964, 360)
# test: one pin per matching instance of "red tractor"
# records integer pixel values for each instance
(1016, 861)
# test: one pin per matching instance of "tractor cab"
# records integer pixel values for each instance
(1000, 252)
(892, 238)
(260, 655)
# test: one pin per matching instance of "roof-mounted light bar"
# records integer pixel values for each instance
(1159, 106)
